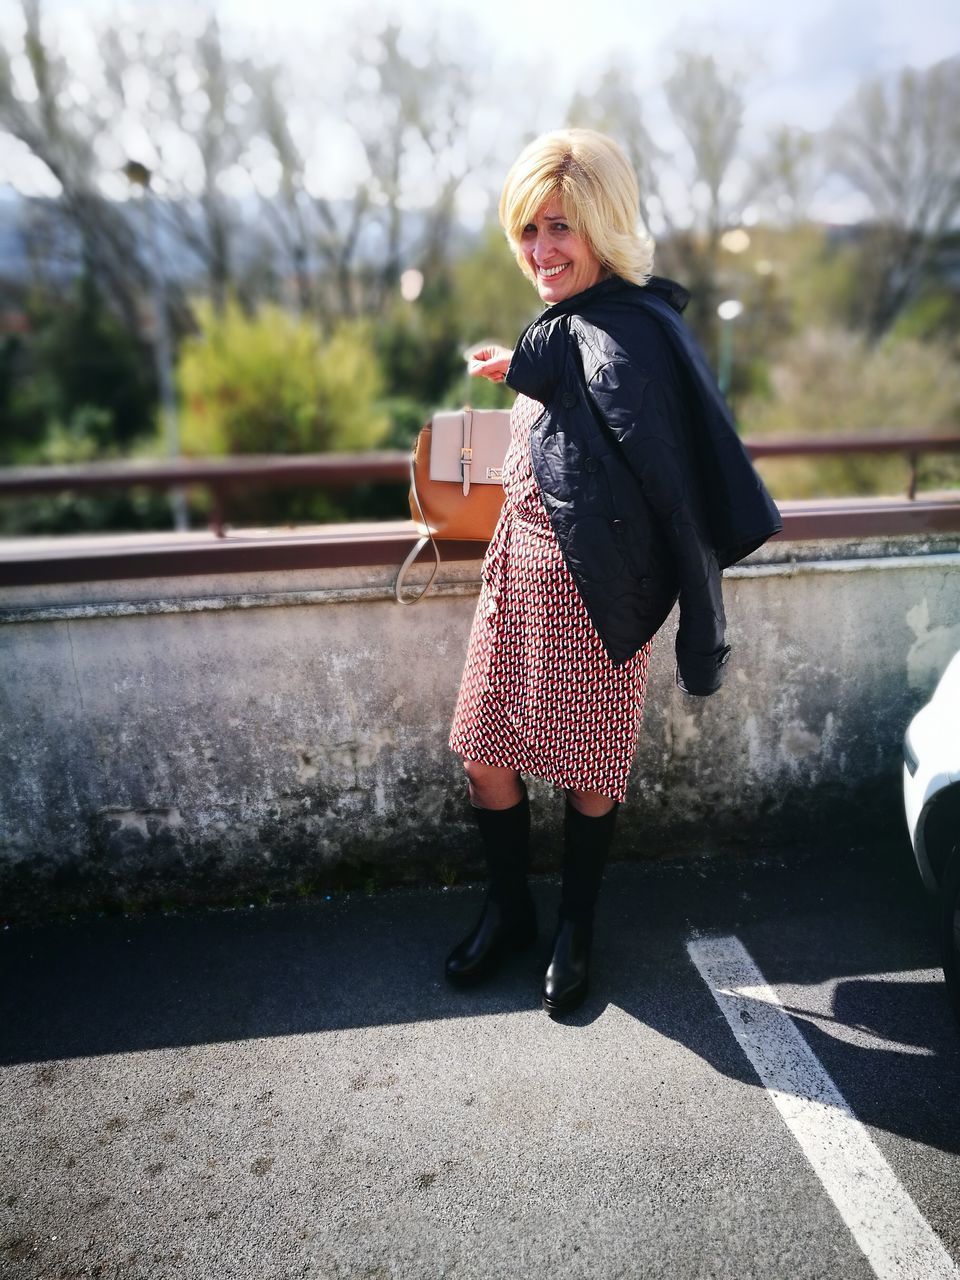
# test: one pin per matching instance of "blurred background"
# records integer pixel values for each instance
(271, 228)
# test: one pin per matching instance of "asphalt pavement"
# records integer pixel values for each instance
(294, 1091)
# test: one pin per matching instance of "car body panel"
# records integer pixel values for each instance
(931, 752)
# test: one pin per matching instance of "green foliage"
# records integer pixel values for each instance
(81, 439)
(833, 382)
(493, 299)
(78, 387)
(269, 383)
(97, 363)
(932, 316)
(406, 416)
(789, 280)
(419, 345)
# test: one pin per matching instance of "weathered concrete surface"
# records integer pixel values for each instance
(190, 739)
(293, 1091)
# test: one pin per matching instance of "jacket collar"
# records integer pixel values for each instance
(540, 352)
(615, 286)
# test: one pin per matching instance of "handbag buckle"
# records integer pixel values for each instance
(466, 455)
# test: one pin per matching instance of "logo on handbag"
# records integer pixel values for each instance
(494, 473)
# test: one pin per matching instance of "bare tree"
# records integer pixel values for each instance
(409, 119)
(307, 223)
(285, 210)
(615, 108)
(707, 107)
(60, 130)
(787, 174)
(72, 123)
(898, 142)
(201, 119)
(412, 121)
(199, 104)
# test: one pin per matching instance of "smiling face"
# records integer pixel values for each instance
(561, 262)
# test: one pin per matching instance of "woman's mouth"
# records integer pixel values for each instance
(549, 272)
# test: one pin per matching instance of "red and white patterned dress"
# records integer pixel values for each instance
(539, 693)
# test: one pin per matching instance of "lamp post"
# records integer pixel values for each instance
(728, 312)
(138, 175)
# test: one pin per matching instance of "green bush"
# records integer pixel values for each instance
(493, 299)
(269, 383)
(272, 383)
(833, 382)
(931, 316)
(77, 372)
(78, 440)
(419, 346)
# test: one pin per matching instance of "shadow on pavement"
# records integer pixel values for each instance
(821, 928)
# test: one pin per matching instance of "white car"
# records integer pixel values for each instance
(931, 798)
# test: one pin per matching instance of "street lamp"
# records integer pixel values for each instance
(138, 175)
(728, 312)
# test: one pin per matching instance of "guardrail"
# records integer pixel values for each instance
(910, 447)
(103, 557)
(99, 557)
(219, 476)
(223, 476)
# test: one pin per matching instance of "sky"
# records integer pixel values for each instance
(800, 63)
(803, 60)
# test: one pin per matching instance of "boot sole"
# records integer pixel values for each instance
(558, 1008)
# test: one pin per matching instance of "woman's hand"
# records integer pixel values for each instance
(488, 361)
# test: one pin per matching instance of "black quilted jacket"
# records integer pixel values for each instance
(648, 488)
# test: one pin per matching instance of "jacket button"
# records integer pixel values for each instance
(568, 400)
(591, 464)
(619, 528)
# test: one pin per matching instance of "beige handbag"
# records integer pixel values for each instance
(456, 482)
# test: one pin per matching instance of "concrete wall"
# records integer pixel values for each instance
(191, 739)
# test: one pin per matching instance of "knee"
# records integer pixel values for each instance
(492, 787)
(476, 777)
(475, 771)
(591, 803)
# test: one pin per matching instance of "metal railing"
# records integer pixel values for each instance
(910, 447)
(97, 557)
(222, 477)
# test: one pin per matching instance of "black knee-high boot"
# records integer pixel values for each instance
(508, 920)
(586, 843)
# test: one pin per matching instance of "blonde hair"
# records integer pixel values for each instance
(589, 173)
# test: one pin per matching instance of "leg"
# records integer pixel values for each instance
(591, 803)
(502, 812)
(508, 920)
(588, 828)
(492, 787)
(587, 838)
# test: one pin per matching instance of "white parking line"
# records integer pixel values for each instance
(898, 1241)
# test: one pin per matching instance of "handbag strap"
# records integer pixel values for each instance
(466, 449)
(416, 549)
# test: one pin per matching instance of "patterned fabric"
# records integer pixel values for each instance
(539, 693)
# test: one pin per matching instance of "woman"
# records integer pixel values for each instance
(625, 487)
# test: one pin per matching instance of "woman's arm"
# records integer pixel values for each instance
(488, 361)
